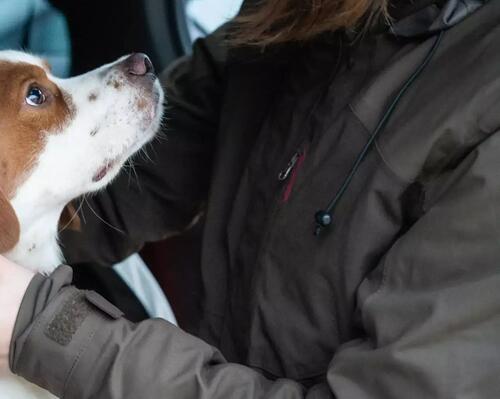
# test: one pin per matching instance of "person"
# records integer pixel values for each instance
(343, 156)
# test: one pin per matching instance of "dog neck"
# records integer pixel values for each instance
(38, 248)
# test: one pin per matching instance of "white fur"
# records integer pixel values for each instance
(68, 161)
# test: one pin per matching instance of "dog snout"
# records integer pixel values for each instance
(137, 64)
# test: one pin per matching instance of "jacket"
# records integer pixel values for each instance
(350, 192)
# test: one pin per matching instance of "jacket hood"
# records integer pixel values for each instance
(434, 17)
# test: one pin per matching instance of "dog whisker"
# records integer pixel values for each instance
(72, 217)
(101, 219)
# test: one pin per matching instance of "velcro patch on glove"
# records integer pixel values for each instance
(68, 320)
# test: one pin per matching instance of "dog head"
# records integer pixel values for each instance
(61, 138)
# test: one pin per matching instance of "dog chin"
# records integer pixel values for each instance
(111, 167)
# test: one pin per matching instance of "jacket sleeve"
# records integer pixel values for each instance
(167, 187)
(430, 313)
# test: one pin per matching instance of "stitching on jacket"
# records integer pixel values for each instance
(388, 165)
(82, 350)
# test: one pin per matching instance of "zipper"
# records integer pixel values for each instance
(290, 172)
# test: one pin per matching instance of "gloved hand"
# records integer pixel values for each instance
(14, 281)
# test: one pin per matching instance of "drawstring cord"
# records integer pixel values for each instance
(324, 218)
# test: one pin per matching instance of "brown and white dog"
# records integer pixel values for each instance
(59, 139)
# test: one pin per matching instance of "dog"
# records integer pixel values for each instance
(60, 139)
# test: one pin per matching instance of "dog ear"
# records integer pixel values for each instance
(69, 219)
(9, 225)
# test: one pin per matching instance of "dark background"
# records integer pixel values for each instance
(103, 30)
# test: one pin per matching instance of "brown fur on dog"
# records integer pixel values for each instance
(9, 225)
(22, 133)
(23, 127)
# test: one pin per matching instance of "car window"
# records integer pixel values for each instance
(37, 27)
(41, 27)
(204, 16)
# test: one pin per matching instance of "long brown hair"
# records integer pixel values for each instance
(278, 21)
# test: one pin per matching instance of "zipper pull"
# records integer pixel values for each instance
(283, 175)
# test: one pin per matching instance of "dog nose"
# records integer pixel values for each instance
(138, 64)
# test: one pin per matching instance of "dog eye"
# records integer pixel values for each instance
(35, 96)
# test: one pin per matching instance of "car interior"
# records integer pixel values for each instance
(76, 36)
